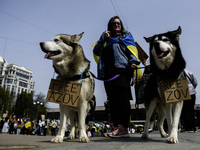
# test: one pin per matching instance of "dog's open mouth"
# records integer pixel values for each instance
(162, 54)
(50, 54)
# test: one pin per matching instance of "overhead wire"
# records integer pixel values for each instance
(18, 40)
(6, 41)
(4, 49)
(27, 22)
(6, 38)
(117, 9)
(120, 13)
(114, 7)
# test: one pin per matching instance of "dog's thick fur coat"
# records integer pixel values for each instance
(166, 62)
(69, 61)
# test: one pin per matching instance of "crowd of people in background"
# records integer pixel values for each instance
(43, 127)
(40, 126)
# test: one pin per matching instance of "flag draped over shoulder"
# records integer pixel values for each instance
(128, 41)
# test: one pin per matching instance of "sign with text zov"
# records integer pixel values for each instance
(174, 90)
(64, 92)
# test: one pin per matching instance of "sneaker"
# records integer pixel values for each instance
(120, 131)
(192, 131)
(150, 130)
(106, 134)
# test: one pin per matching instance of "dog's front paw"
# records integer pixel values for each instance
(165, 135)
(57, 139)
(84, 139)
(172, 140)
(144, 136)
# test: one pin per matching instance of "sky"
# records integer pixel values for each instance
(26, 23)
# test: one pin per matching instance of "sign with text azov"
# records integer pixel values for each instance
(174, 90)
(64, 92)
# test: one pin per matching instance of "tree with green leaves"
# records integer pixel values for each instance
(24, 105)
(4, 101)
(27, 106)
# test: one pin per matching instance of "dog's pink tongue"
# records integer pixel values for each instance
(47, 55)
(160, 55)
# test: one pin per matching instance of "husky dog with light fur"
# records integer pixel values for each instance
(71, 64)
(166, 62)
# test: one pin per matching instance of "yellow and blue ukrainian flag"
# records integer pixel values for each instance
(128, 41)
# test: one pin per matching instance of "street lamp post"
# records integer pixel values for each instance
(37, 103)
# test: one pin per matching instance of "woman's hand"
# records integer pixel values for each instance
(133, 66)
(108, 36)
(108, 33)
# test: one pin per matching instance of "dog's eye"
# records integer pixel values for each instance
(155, 41)
(165, 40)
(56, 40)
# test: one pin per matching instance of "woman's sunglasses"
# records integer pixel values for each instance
(118, 23)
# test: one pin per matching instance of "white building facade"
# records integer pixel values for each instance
(15, 79)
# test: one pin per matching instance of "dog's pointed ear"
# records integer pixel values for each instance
(76, 38)
(177, 32)
(148, 40)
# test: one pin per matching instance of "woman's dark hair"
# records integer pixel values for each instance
(110, 25)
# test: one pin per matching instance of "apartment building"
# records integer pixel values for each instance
(15, 79)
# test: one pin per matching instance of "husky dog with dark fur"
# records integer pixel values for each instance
(166, 62)
(71, 65)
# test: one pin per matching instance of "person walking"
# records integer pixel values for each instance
(38, 126)
(116, 56)
(188, 115)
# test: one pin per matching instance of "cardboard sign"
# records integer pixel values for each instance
(64, 92)
(174, 90)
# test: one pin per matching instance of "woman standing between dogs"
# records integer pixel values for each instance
(117, 55)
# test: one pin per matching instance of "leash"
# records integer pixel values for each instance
(114, 77)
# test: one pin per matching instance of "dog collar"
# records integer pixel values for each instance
(79, 77)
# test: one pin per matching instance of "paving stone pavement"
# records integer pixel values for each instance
(187, 141)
